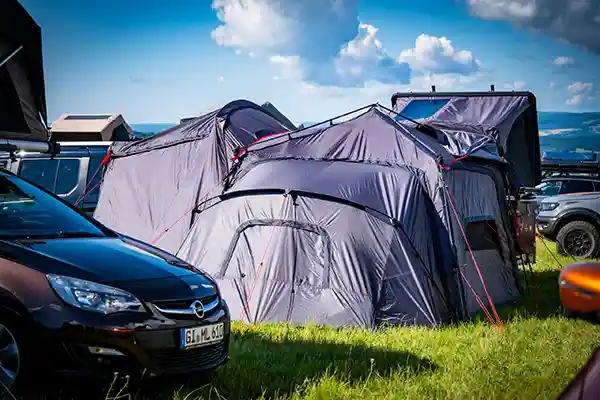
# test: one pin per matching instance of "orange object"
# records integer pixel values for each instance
(579, 287)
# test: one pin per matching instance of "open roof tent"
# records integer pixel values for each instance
(23, 115)
(91, 127)
(511, 117)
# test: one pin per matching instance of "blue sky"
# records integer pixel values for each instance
(158, 61)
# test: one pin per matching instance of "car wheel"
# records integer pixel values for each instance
(10, 359)
(578, 239)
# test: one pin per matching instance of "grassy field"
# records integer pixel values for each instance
(534, 357)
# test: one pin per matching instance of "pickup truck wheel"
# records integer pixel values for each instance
(578, 239)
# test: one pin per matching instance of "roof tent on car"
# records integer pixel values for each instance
(91, 127)
(23, 115)
(509, 118)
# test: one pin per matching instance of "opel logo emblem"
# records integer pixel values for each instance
(198, 309)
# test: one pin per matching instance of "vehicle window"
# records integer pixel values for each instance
(28, 212)
(67, 176)
(93, 191)
(596, 186)
(40, 172)
(573, 186)
(549, 188)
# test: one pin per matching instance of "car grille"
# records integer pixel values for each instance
(184, 304)
(175, 361)
(180, 304)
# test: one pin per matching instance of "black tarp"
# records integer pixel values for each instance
(23, 112)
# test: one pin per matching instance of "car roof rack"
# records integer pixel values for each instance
(12, 146)
(587, 168)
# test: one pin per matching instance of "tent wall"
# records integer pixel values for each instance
(483, 219)
(359, 218)
(302, 259)
(152, 186)
(145, 195)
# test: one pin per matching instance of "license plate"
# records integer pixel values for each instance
(201, 335)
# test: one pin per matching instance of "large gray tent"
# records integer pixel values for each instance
(151, 186)
(362, 222)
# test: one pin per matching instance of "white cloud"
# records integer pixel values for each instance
(580, 87)
(220, 79)
(438, 55)
(311, 29)
(575, 21)
(564, 61)
(574, 100)
(250, 24)
(364, 58)
(322, 43)
(580, 93)
(290, 66)
(516, 85)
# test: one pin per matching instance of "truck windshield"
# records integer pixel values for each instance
(28, 212)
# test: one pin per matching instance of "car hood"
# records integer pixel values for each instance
(571, 197)
(126, 264)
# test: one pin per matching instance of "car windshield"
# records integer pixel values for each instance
(28, 212)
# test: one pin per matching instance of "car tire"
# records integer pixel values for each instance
(12, 330)
(578, 239)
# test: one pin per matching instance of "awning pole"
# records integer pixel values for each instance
(11, 55)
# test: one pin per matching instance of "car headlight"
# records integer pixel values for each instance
(93, 296)
(548, 206)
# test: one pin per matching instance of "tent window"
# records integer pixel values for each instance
(483, 235)
(422, 108)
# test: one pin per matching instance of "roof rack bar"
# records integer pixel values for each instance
(9, 145)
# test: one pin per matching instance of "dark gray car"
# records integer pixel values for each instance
(74, 174)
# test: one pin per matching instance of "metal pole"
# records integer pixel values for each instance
(11, 55)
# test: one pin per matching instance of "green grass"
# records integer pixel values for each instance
(534, 357)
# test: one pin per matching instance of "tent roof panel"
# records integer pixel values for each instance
(385, 190)
(201, 127)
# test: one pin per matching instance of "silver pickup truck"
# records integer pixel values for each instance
(571, 217)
